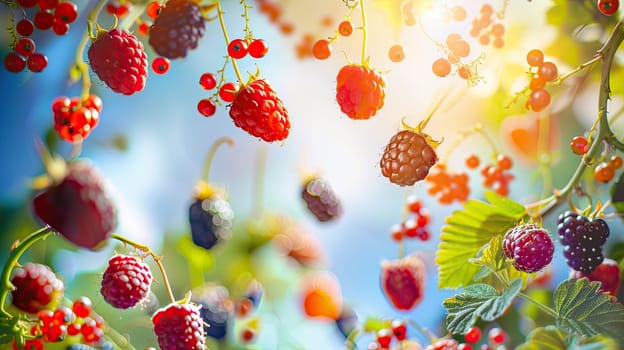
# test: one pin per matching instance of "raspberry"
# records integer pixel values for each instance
(118, 59)
(77, 206)
(258, 110)
(126, 281)
(530, 247)
(403, 281)
(178, 28)
(582, 239)
(360, 91)
(407, 158)
(321, 200)
(211, 220)
(36, 288)
(215, 311)
(607, 273)
(179, 327)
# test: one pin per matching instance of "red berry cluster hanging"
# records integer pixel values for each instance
(498, 176)
(415, 224)
(397, 329)
(487, 29)
(541, 73)
(118, 8)
(52, 14)
(322, 48)
(447, 186)
(75, 118)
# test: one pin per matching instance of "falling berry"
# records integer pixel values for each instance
(160, 65)
(396, 53)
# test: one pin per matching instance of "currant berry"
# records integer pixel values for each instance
(66, 12)
(47, 4)
(458, 13)
(144, 27)
(25, 47)
(535, 58)
(413, 205)
(208, 81)
(603, 172)
(399, 329)
(247, 335)
(579, 145)
(441, 67)
(60, 28)
(472, 162)
(396, 232)
(537, 82)
(384, 337)
(206, 107)
(608, 7)
(321, 49)
(237, 48)
(160, 65)
(538, 100)
(396, 53)
(82, 307)
(154, 8)
(461, 48)
(258, 48)
(548, 71)
(345, 28)
(228, 91)
(43, 20)
(25, 27)
(464, 73)
(615, 162)
(37, 62)
(484, 39)
(497, 335)
(504, 162)
(473, 335)
(464, 346)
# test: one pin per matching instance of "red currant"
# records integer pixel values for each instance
(504, 162)
(66, 12)
(537, 82)
(144, 27)
(93, 101)
(247, 335)
(228, 91)
(321, 49)
(37, 62)
(535, 58)
(608, 7)
(258, 48)
(43, 20)
(237, 48)
(579, 145)
(154, 8)
(396, 232)
(25, 47)
(24, 27)
(82, 307)
(208, 81)
(345, 28)
(160, 65)
(413, 204)
(538, 100)
(497, 335)
(615, 162)
(73, 329)
(206, 107)
(548, 71)
(464, 72)
(464, 347)
(384, 337)
(473, 335)
(399, 330)
(60, 27)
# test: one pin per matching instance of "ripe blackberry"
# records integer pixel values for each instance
(211, 221)
(179, 327)
(258, 110)
(36, 288)
(126, 281)
(407, 158)
(118, 59)
(320, 199)
(360, 91)
(530, 247)
(177, 29)
(582, 239)
(215, 310)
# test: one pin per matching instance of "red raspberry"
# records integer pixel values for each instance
(36, 288)
(258, 110)
(179, 327)
(407, 158)
(607, 273)
(320, 199)
(126, 281)
(77, 206)
(178, 28)
(360, 91)
(403, 281)
(118, 58)
(530, 247)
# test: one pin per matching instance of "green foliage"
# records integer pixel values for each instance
(583, 310)
(467, 231)
(493, 259)
(551, 337)
(478, 301)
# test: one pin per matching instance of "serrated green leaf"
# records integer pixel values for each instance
(466, 232)
(477, 301)
(583, 310)
(553, 338)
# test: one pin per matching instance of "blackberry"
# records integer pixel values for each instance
(177, 29)
(211, 220)
(530, 247)
(214, 310)
(321, 200)
(407, 158)
(582, 239)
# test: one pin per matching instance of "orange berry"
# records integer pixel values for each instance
(504, 162)
(498, 43)
(497, 30)
(321, 49)
(459, 13)
(396, 53)
(327, 21)
(615, 162)
(322, 297)
(484, 39)
(472, 162)
(345, 28)
(603, 172)
(579, 145)
(486, 10)
(464, 72)
(441, 67)
(460, 47)
(286, 28)
(452, 38)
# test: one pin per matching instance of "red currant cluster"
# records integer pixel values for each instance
(486, 29)
(457, 48)
(207, 106)
(274, 13)
(24, 54)
(541, 73)
(239, 48)
(608, 7)
(497, 176)
(54, 14)
(496, 338)
(415, 225)
(383, 338)
(449, 187)
(75, 118)
(118, 8)
(322, 48)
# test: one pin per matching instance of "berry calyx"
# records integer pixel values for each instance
(258, 48)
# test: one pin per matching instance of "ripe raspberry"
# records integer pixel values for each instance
(215, 309)
(118, 59)
(321, 200)
(211, 221)
(179, 327)
(36, 288)
(407, 158)
(360, 91)
(403, 281)
(530, 247)
(178, 28)
(77, 206)
(582, 239)
(126, 281)
(258, 110)
(607, 273)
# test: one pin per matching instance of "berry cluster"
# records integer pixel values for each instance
(498, 176)
(447, 186)
(75, 118)
(384, 336)
(529, 246)
(126, 281)
(403, 281)
(24, 55)
(496, 338)
(541, 73)
(415, 225)
(605, 170)
(407, 158)
(54, 14)
(321, 199)
(322, 48)
(273, 11)
(608, 7)
(457, 48)
(487, 29)
(118, 8)
(239, 48)
(582, 239)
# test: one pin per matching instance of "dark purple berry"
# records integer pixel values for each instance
(321, 200)
(582, 239)
(211, 220)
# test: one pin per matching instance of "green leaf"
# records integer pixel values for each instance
(583, 310)
(617, 194)
(553, 338)
(466, 232)
(596, 342)
(374, 324)
(493, 259)
(477, 301)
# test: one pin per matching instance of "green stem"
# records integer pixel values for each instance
(364, 32)
(211, 154)
(227, 42)
(11, 262)
(542, 307)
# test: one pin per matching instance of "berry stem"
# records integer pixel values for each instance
(11, 262)
(248, 33)
(227, 42)
(541, 306)
(156, 258)
(364, 32)
(80, 65)
(582, 66)
(211, 154)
